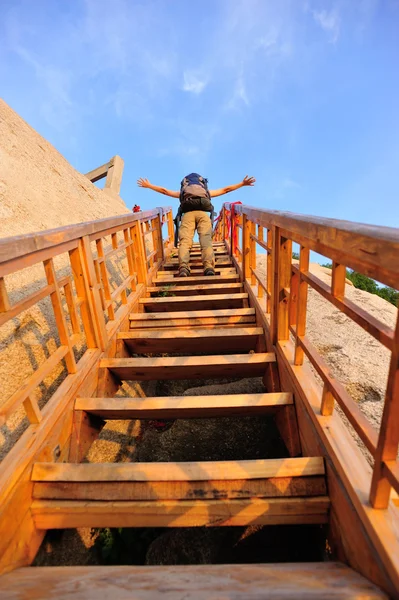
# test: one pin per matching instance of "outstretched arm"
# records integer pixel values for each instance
(144, 183)
(230, 188)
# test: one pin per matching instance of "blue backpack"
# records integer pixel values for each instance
(194, 194)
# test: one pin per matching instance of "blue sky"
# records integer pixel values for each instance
(302, 94)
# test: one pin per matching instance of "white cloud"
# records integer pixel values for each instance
(193, 83)
(240, 96)
(291, 184)
(329, 21)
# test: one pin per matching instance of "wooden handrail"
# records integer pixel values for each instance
(23, 245)
(87, 288)
(370, 250)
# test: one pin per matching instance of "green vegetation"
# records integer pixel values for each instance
(295, 255)
(165, 291)
(362, 282)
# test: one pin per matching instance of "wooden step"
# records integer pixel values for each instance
(193, 290)
(189, 367)
(273, 478)
(184, 407)
(200, 302)
(192, 280)
(189, 319)
(197, 255)
(195, 272)
(208, 341)
(281, 581)
(62, 514)
(195, 264)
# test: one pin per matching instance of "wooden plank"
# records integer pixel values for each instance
(274, 487)
(35, 247)
(283, 281)
(210, 302)
(179, 471)
(204, 323)
(219, 271)
(194, 314)
(199, 279)
(19, 538)
(282, 581)
(359, 422)
(387, 448)
(32, 410)
(338, 280)
(391, 472)
(188, 367)
(22, 305)
(69, 514)
(31, 383)
(366, 532)
(196, 264)
(192, 290)
(302, 303)
(215, 341)
(4, 300)
(369, 249)
(183, 407)
(379, 330)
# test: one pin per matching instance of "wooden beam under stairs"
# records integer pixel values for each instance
(184, 407)
(193, 290)
(189, 367)
(199, 302)
(208, 341)
(189, 319)
(281, 581)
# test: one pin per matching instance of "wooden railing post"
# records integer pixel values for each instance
(83, 291)
(138, 249)
(252, 253)
(223, 223)
(301, 303)
(246, 247)
(387, 448)
(282, 253)
(93, 287)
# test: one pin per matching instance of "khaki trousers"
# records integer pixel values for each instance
(200, 221)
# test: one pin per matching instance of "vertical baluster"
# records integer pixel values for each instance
(246, 247)
(139, 252)
(4, 302)
(269, 271)
(301, 304)
(387, 448)
(261, 291)
(59, 315)
(282, 251)
(252, 261)
(104, 276)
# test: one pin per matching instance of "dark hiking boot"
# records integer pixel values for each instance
(209, 271)
(184, 272)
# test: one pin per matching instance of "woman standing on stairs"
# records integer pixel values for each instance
(195, 203)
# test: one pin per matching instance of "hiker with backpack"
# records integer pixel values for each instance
(195, 203)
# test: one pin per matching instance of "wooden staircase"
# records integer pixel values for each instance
(211, 332)
(205, 338)
(208, 328)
